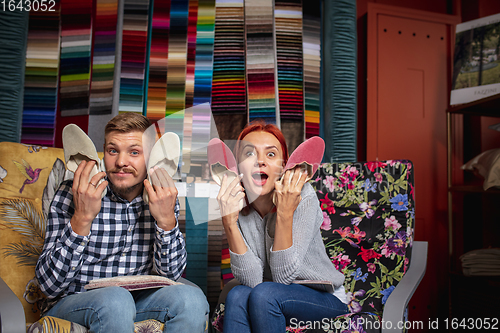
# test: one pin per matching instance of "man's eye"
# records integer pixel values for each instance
(135, 153)
(112, 151)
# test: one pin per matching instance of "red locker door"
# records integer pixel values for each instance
(408, 75)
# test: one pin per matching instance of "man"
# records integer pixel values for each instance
(89, 238)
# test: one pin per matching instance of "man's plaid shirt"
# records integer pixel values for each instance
(123, 240)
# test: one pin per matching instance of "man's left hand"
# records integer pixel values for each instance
(162, 197)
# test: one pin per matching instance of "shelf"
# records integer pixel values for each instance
(460, 275)
(473, 189)
(489, 107)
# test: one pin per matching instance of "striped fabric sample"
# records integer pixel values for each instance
(76, 45)
(191, 51)
(103, 59)
(260, 61)
(41, 77)
(204, 52)
(312, 63)
(133, 53)
(229, 82)
(288, 26)
(177, 57)
(158, 59)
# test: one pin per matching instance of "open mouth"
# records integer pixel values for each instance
(259, 178)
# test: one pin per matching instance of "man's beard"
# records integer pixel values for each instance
(123, 191)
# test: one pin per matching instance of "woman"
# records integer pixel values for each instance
(274, 241)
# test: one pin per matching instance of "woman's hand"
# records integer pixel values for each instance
(87, 197)
(162, 195)
(230, 198)
(288, 191)
(287, 200)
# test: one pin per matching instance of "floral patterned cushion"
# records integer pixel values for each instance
(368, 210)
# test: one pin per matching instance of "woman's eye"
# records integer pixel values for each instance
(271, 154)
(249, 153)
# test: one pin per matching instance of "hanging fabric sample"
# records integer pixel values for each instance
(340, 77)
(14, 27)
(204, 52)
(158, 60)
(191, 52)
(133, 55)
(228, 83)
(260, 61)
(41, 77)
(312, 63)
(76, 45)
(177, 57)
(288, 27)
(103, 59)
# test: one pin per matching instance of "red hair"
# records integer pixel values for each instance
(262, 126)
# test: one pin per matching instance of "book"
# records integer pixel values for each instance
(476, 73)
(132, 282)
(317, 284)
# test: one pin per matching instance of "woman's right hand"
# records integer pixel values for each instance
(231, 199)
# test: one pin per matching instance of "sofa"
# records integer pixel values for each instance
(368, 232)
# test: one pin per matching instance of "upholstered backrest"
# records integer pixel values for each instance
(368, 210)
(25, 172)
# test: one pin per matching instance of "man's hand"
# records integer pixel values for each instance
(162, 197)
(87, 197)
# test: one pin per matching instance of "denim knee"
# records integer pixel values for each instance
(262, 294)
(194, 300)
(116, 304)
(238, 296)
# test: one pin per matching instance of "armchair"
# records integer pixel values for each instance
(368, 230)
(29, 176)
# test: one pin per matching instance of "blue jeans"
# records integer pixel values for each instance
(183, 308)
(269, 307)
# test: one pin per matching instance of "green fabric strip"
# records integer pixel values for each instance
(14, 28)
(340, 81)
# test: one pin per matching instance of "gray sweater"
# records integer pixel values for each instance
(306, 259)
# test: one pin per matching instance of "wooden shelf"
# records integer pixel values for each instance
(489, 107)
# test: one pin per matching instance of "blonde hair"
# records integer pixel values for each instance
(127, 122)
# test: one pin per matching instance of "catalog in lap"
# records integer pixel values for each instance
(317, 284)
(132, 282)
